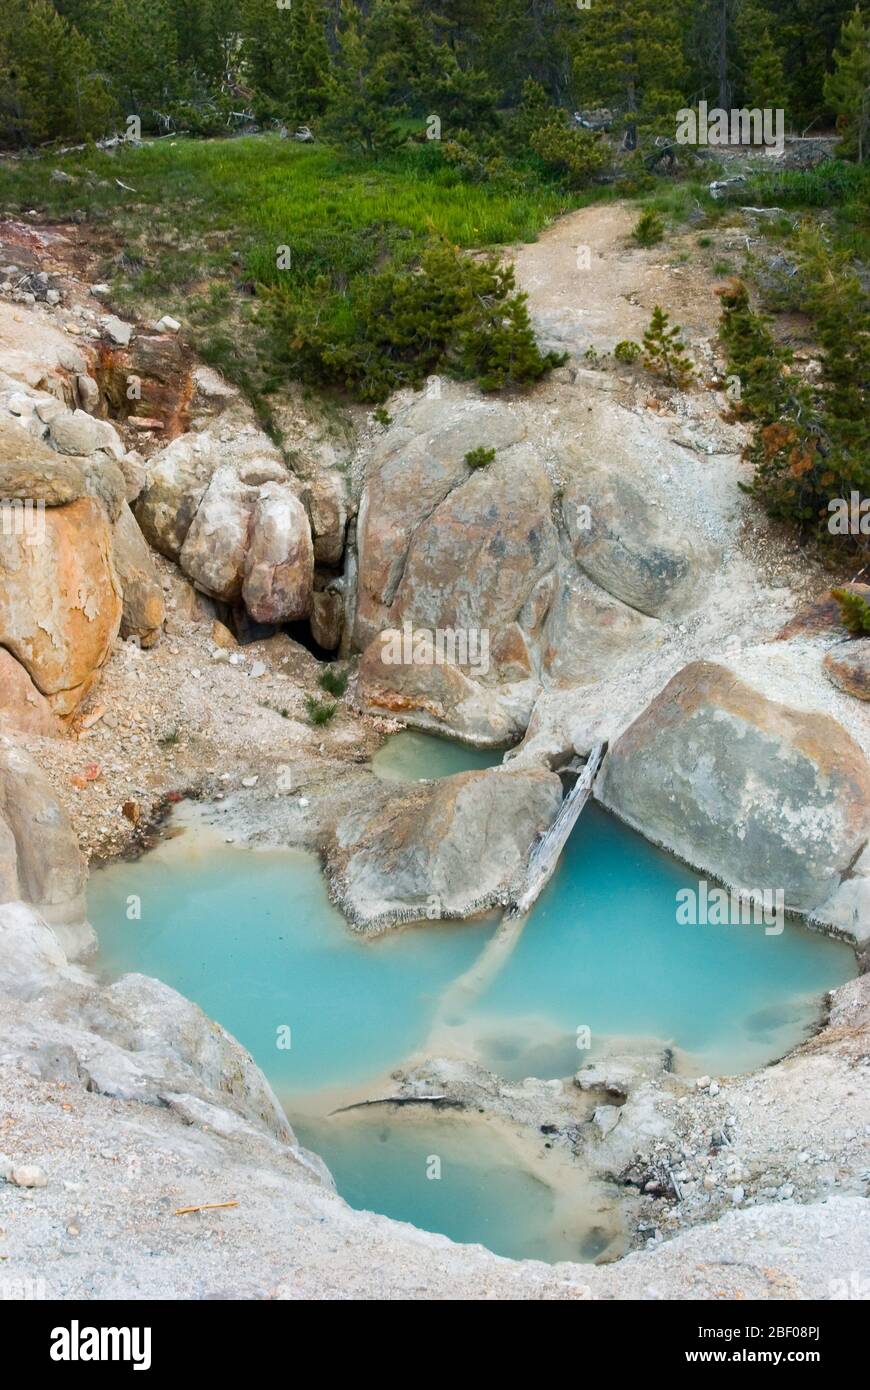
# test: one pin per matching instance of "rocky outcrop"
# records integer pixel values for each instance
(40, 861)
(227, 510)
(72, 559)
(135, 1040)
(447, 849)
(760, 793)
(28, 469)
(577, 549)
(279, 564)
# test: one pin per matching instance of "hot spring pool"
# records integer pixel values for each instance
(251, 936)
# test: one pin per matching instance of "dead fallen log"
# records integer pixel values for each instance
(443, 1102)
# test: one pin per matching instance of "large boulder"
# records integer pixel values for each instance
(60, 601)
(227, 510)
(447, 849)
(759, 792)
(165, 1044)
(460, 556)
(326, 500)
(30, 471)
(415, 467)
(214, 550)
(279, 564)
(176, 482)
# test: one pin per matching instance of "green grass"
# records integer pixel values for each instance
(207, 218)
(319, 711)
(333, 680)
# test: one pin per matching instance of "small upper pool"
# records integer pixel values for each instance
(410, 756)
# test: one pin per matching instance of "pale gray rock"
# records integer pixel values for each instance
(48, 869)
(445, 849)
(761, 794)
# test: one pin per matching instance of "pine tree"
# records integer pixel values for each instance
(49, 85)
(310, 65)
(806, 33)
(629, 57)
(360, 113)
(763, 82)
(137, 49)
(400, 38)
(664, 350)
(266, 47)
(847, 88)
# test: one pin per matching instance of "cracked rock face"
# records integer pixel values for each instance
(761, 794)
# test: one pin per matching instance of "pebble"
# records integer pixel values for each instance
(737, 1194)
(250, 781)
(29, 1175)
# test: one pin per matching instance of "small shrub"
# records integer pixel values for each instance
(169, 739)
(452, 314)
(722, 268)
(480, 457)
(575, 154)
(854, 611)
(649, 228)
(383, 417)
(333, 681)
(319, 711)
(705, 241)
(627, 351)
(752, 355)
(664, 350)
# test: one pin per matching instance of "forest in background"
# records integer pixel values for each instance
(73, 69)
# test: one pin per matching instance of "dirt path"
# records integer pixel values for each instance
(589, 285)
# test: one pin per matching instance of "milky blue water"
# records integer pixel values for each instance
(411, 755)
(251, 937)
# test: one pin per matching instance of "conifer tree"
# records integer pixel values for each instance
(49, 85)
(847, 88)
(765, 85)
(629, 56)
(137, 49)
(665, 351)
(360, 113)
(309, 62)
